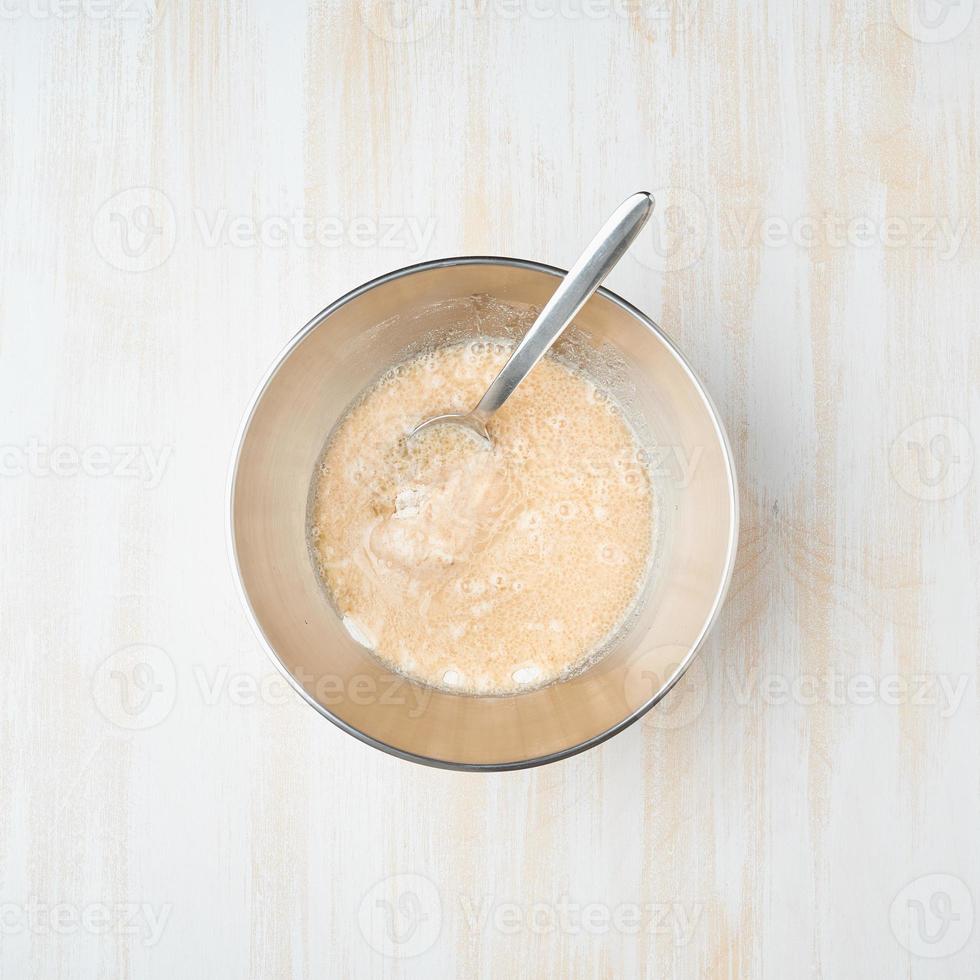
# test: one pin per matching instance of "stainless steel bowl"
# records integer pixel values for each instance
(334, 357)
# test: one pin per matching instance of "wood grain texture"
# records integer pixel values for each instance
(183, 186)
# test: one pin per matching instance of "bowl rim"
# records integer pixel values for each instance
(564, 753)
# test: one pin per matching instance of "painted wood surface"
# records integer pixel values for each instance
(183, 185)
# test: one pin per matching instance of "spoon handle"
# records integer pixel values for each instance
(582, 280)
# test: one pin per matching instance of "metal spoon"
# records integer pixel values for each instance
(582, 280)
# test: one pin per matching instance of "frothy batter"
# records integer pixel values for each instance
(474, 569)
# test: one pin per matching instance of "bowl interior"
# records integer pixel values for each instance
(345, 349)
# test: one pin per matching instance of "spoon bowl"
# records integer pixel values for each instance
(465, 419)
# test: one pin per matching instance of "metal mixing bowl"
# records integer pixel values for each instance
(322, 369)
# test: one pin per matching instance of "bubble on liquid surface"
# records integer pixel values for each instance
(359, 633)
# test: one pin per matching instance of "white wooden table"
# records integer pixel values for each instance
(183, 187)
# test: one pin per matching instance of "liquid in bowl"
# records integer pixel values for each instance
(475, 570)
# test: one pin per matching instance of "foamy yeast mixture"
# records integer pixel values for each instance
(483, 570)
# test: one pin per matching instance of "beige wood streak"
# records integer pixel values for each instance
(780, 831)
